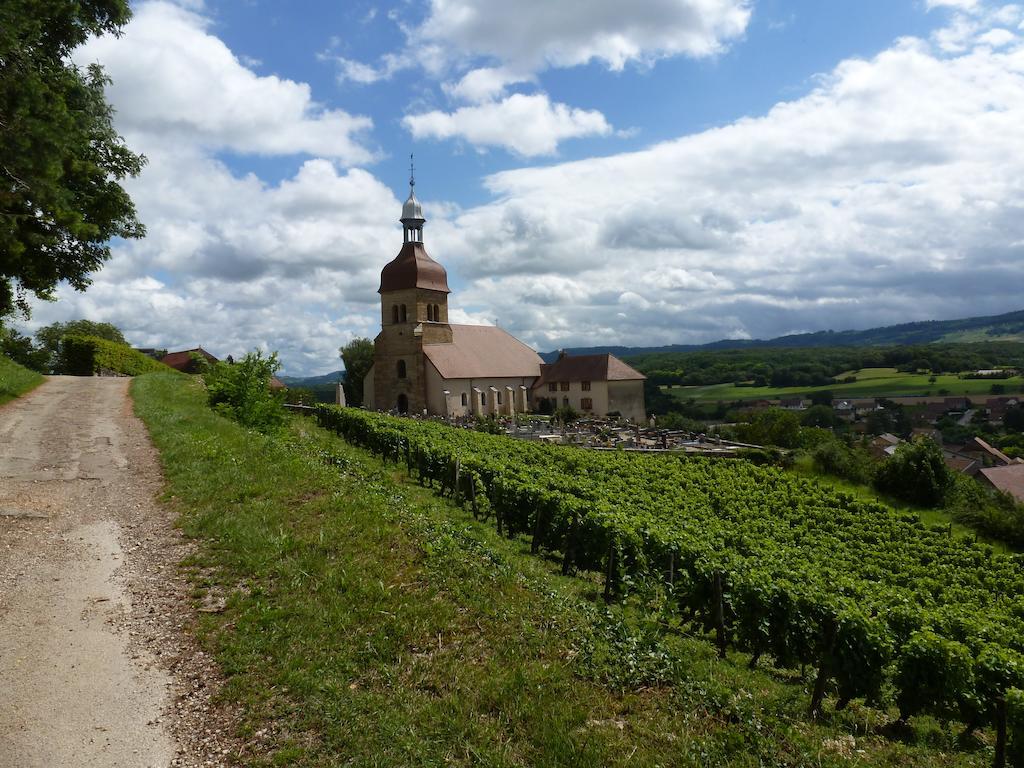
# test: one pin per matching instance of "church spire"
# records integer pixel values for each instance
(412, 212)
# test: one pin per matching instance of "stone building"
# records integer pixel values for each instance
(424, 364)
(593, 384)
(421, 362)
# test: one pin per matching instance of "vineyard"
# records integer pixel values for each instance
(769, 564)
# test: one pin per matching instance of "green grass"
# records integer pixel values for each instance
(370, 623)
(16, 380)
(871, 382)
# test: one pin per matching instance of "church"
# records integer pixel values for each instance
(422, 364)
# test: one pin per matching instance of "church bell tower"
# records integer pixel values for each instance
(414, 311)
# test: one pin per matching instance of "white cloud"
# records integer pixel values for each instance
(174, 81)
(890, 193)
(484, 84)
(529, 125)
(233, 264)
(532, 34)
(963, 5)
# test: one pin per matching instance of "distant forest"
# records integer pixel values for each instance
(819, 366)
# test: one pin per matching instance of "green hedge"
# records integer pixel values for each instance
(88, 355)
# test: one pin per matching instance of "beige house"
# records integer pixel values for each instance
(424, 364)
(593, 384)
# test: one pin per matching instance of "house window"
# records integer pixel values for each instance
(465, 400)
(565, 401)
(553, 387)
(564, 386)
(585, 386)
(402, 313)
(401, 369)
(587, 404)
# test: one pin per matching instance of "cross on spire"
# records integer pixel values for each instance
(412, 172)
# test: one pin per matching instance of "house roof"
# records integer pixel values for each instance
(1009, 479)
(413, 268)
(963, 464)
(182, 361)
(588, 368)
(976, 443)
(481, 352)
(887, 438)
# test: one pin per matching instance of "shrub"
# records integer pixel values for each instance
(916, 473)
(241, 391)
(88, 355)
(832, 457)
(992, 513)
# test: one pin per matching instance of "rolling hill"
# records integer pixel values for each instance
(1006, 327)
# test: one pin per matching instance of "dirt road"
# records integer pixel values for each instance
(95, 666)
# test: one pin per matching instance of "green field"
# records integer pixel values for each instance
(871, 382)
(16, 380)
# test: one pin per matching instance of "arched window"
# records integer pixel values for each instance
(401, 369)
(394, 313)
(499, 397)
(483, 398)
(402, 313)
(465, 400)
(430, 313)
(437, 314)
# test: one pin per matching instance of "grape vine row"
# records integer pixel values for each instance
(772, 564)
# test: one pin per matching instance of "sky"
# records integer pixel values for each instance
(592, 172)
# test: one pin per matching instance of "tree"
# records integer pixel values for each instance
(48, 337)
(357, 356)
(60, 159)
(242, 391)
(21, 350)
(773, 426)
(916, 473)
(819, 416)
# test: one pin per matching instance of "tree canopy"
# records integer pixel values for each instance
(61, 160)
(358, 357)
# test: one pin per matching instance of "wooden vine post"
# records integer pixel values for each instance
(999, 760)
(609, 573)
(720, 639)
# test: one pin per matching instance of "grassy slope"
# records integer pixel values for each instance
(370, 623)
(16, 380)
(871, 382)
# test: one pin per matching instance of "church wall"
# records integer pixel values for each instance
(438, 405)
(394, 343)
(368, 391)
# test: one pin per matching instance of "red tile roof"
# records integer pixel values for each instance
(588, 368)
(481, 352)
(413, 268)
(182, 361)
(1009, 479)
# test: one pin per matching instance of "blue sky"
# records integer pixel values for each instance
(641, 173)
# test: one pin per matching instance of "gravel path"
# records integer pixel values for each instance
(96, 668)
